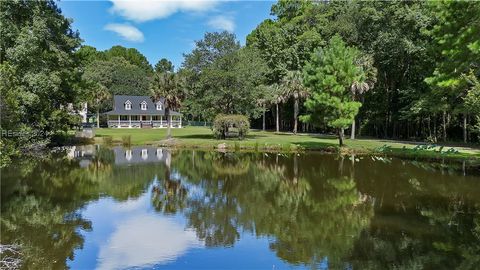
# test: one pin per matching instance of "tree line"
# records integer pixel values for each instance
(400, 69)
(420, 63)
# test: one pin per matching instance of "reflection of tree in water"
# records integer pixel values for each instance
(230, 164)
(275, 198)
(46, 234)
(423, 219)
(349, 212)
(169, 196)
(39, 211)
(41, 197)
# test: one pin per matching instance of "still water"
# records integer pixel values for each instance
(149, 208)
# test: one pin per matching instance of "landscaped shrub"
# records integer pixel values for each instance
(229, 126)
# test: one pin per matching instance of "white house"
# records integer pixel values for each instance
(140, 112)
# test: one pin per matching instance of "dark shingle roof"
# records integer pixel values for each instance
(119, 106)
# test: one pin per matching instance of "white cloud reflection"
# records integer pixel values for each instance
(144, 240)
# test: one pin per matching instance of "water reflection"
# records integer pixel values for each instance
(154, 239)
(144, 206)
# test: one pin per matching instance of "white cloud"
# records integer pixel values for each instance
(146, 10)
(126, 31)
(222, 23)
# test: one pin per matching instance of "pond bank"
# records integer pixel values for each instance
(202, 138)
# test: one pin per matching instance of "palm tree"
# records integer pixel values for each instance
(262, 102)
(364, 82)
(278, 96)
(293, 87)
(167, 85)
(98, 95)
(265, 99)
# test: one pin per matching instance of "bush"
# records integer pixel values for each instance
(108, 140)
(228, 126)
(127, 140)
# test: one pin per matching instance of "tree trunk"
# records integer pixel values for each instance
(352, 134)
(465, 128)
(444, 125)
(429, 128)
(169, 123)
(340, 136)
(386, 126)
(263, 120)
(295, 116)
(98, 117)
(277, 124)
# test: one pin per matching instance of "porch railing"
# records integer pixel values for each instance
(136, 123)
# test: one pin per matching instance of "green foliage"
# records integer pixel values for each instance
(127, 140)
(163, 65)
(108, 140)
(220, 78)
(237, 146)
(118, 75)
(38, 70)
(472, 98)
(230, 126)
(329, 74)
(132, 55)
(167, 87)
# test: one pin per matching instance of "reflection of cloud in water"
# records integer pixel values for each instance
(130, 205)
(144, 240)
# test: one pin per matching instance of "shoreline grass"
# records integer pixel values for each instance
(202, 138)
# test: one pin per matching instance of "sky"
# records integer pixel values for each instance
(159, 28)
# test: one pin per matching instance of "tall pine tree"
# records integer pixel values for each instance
(329, 74)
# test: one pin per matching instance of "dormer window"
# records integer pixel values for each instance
(159, 106)
(143, 105)
(128, 105)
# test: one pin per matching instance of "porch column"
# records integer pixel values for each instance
(151, 120)
(161, 120)
(129, 121)
(180, 123)
(118, 121)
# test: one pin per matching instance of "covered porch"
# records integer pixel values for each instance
(143, 121)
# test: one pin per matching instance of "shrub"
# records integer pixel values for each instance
(127, 140)
(226, 126)
(108, 140)
(237, 146)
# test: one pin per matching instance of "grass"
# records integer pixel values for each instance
(201, 137)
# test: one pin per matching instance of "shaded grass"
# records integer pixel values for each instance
(201, 137)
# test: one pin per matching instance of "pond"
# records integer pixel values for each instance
(141, 208)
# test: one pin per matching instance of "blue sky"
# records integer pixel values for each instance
(161, 29)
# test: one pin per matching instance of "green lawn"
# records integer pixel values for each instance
(201, 137)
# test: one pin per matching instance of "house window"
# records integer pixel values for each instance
(143, 106)
(134, 117)
(159, 106)
(128, 105)
(156, 118)
(123, 117)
